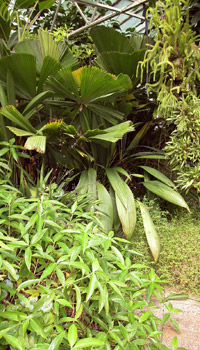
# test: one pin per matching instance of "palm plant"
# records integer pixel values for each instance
(73, 117)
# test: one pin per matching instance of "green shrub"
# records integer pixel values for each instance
(66, 285)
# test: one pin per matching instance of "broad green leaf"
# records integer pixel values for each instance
(92, 183)
(151, 234)
(49, 269)
(36, 143)
(121, 62)
(166, 193)
(108, 39)
(158, 175)
(72, 335)
(31, 47)
(50, 67)
(28, 283)
(49, 47)
(174, 342)
(13, 341)
(175, 324)
(46, 4)
(56, 342)
(13, 316)
(96, 84)
(10, 88)
(112, 134)
(79, 265)
(23, 4)
(23, 69)
(105, 207)
(37, 327)
(110, 115)
(82, 186)
(88, 342)
(7, 266)
(64, 303)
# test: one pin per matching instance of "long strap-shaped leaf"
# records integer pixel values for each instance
(125, 202)
(105, 207)
(166, 193)
(151, 234)
(16, 117)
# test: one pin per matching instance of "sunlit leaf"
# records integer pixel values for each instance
(166, 193)
(150, 231)
(37, 143)
(105, 207)
(72, 335)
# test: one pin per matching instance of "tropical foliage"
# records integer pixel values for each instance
(88, 141)
(92, 118)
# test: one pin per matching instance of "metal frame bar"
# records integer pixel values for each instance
(106, 17)
(110, 8)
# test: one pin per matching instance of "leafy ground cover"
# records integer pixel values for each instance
(67, 285)
(180, 245)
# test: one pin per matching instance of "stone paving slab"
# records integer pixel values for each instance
(188, 321)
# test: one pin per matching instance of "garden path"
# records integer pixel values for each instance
(188, 321)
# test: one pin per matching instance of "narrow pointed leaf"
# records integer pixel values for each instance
(7, 266)
(27, 257)
(37, 328)
(150, 231)
(91, 287)
(13, 341)
(56, 342)
(19, 132)
(16, 117)
(36, 101)
(158, 175)
(87, 343)
(72, 335)
(112, 134)
(49, 269)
